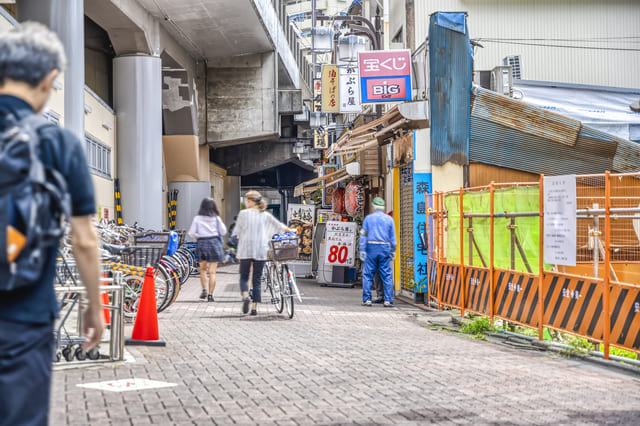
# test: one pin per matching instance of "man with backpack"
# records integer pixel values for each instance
(43, 175)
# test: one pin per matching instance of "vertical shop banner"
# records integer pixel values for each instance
(340, 243)
(320, 141)
(300, 216)
(560, 222)
(327, 190)
(385, 75)
(317, 95)
(349, 90)
(422, 185)
(330, 89)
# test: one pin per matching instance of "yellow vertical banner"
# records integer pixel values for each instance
(330, 89)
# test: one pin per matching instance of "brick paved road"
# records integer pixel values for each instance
(337, 362)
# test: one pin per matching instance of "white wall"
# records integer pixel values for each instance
(572, 20)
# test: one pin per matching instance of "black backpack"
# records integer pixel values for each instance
(33, 201)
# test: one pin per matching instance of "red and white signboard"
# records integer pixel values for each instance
(340, 243)
(385, 75)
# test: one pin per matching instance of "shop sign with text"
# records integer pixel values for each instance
(330, 89)
(385, 75)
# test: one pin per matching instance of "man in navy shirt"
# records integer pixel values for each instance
(31, 57)
(377, 248)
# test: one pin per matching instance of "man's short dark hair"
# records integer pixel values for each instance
(29, 52)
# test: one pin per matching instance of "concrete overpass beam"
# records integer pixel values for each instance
(242, 101)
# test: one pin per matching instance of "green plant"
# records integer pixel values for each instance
(478, 327)
(622, 353)
(578, 345)
(417, 285)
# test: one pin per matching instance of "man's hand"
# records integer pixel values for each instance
(92, 327)
(84, 243)
(363, 256)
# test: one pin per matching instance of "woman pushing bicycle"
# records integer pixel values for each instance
(254, 229)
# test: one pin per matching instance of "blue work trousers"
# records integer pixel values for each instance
(26, 354)
(378, 258)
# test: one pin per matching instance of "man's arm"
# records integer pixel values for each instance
(84, 242)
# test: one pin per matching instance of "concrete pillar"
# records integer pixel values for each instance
(231, 198)
(137, 90)
(190, 196)
(66, 18)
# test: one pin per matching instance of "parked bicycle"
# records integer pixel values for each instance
(278, 277)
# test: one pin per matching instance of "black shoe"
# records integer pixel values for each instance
(254, 312)
(379, 300)
(203, 295)
(245, 305)
(210, 298)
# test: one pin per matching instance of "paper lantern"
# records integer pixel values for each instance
(338, 201)
(354, 199)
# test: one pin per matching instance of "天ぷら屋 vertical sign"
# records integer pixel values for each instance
(385, 75)
(560, 222)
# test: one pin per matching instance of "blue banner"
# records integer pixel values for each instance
(422, 185)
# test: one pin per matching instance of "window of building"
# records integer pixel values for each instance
(98, 157)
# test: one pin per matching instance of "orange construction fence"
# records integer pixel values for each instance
(598, 299)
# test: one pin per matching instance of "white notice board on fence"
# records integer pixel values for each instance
(560, 223)
(340, 243)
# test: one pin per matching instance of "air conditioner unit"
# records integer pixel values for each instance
(501, 80)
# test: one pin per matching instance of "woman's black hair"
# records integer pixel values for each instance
(208, 208)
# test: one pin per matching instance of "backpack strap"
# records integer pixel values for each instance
(49, 178)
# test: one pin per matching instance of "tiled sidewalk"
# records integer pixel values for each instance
(336, 362)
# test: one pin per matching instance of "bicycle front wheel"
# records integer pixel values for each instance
(287, 290)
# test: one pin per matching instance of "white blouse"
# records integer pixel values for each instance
(207, 227)
(254, 230)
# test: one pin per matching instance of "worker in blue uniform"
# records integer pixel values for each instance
(377, 249)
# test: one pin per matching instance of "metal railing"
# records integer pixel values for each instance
(486, 256)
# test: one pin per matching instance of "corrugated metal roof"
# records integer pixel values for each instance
(519, 115)
(449, 91)
(526, 139)
(494, 143)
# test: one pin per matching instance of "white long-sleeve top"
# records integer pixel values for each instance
(207, 227)
(254, 230)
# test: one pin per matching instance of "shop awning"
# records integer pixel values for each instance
(406, 116)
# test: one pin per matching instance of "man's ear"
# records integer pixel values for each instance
(47, 82)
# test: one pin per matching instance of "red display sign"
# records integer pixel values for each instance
(385, 63)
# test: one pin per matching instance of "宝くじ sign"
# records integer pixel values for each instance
(385, 75)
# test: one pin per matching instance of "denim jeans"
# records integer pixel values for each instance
(245, 267)
(26, 354)
(378, 258)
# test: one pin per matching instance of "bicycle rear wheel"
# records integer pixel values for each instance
(287, 290)
(275, 288)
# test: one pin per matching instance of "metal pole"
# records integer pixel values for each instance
(607, 262)
(462, 280)
(491, 249)
(541, 262)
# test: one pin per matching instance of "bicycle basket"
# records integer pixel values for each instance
(284, 249)
(143, 255)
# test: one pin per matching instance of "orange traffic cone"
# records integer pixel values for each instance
(145, 328)
(105, 302)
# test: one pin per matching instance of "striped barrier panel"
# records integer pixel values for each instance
(574, 303)
(516, 297)
(432, 279)
(449, 281)
(478, 287)
(625, 315)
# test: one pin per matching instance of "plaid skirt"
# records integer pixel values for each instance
(210, 250)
